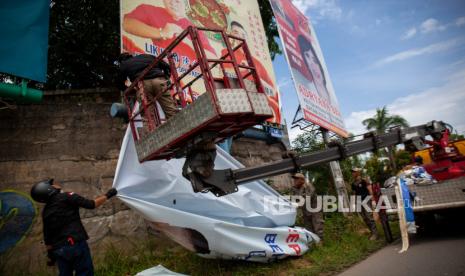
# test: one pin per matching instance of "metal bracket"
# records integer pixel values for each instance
(342, 148)
(375, 138)
(292, 155)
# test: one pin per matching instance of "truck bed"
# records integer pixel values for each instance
(441, 195)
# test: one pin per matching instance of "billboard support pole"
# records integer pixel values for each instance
(337, 176)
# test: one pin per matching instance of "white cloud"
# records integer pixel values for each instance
(438, 103)
(294, 132)
(304, 5)
(431, 25)
(355, 29)
(460, 21)
(430, 49)
(443, 103)
(409, 33)
(324, 9)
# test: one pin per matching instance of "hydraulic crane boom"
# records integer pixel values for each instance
(223, 182)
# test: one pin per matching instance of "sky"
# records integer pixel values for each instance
(406, 55)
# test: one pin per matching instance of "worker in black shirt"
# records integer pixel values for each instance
(64, 234)
(362, 188)
(154, 82)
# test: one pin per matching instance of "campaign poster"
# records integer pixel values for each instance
(149, 26)
(303, 53)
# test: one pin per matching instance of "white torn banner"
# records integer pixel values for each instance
(158, 270)
(252, 224)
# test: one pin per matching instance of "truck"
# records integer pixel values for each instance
(445, 161)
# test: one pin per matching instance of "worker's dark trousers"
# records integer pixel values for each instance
(369, 221)
(74, 258)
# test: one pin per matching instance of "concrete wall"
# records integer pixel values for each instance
(71, 137)
(251, 152)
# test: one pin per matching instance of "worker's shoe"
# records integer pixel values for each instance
(374, 237)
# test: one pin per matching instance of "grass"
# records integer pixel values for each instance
(345, 243)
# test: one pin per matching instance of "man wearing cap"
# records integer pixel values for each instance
(362, 188)
(313, 220)
(64, 234)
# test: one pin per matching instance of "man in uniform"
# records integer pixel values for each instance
(362, 188)
(64, 234)
(313, 221)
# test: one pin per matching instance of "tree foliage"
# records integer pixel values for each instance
(381, 122)
(271, 29)
(403, 158)
(454, 137)
(376, 167)
(321, 175)
(84, 41)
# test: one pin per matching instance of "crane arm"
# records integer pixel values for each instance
(223, 182)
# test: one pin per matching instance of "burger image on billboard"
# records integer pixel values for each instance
(208, 13)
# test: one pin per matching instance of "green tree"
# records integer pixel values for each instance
(455, 137)
(377, 168)
(83, 44)
(271, 29)
(321, 175)
(403, 158)
(380, 123)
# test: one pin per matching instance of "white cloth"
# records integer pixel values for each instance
(158, 270)
(244, 225)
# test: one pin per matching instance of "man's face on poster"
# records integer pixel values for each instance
(177, 7)
(239, 32)
(312, 62)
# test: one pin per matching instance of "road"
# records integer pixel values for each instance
(441, 251)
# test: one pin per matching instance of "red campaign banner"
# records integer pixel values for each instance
(311, 79)
(149, 26)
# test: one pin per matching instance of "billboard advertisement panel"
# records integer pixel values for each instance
(149, 26)
(303, 53)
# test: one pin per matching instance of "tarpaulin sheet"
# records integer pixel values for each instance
(158, 270)
(246, 225)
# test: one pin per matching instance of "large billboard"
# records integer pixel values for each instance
(303, 53)
(149, 26)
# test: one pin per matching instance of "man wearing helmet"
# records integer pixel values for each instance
(64, 234)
